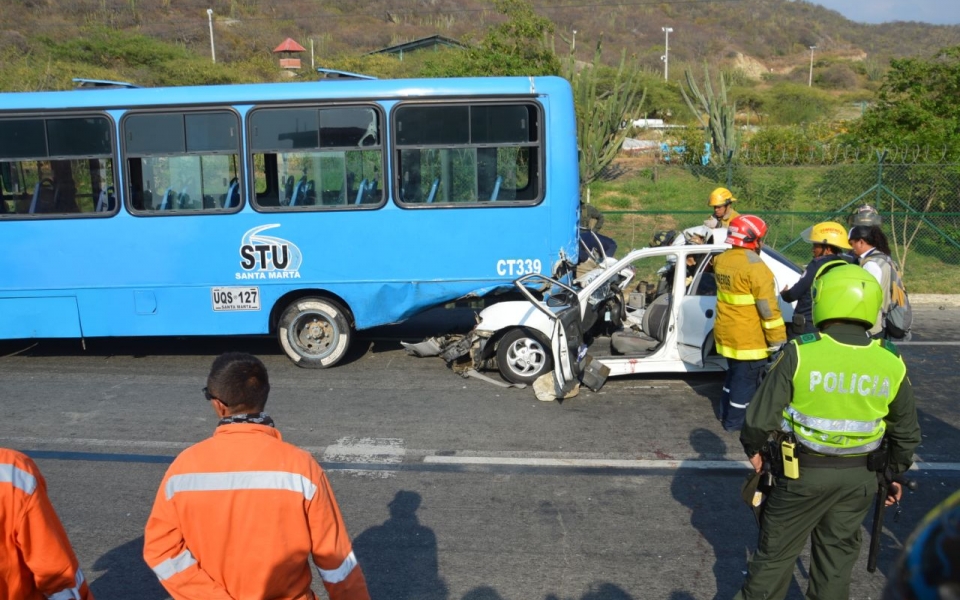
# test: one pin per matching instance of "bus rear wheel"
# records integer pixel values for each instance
(314, 332)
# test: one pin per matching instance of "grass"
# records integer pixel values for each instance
(640, 198)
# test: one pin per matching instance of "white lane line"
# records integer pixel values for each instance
(97, 442)
(587, 462)
(391, 451)
(385, 451)
(630, 464)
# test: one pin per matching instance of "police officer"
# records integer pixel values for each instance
(834, 395)
(829, 241)
(749, 326)
(721, 200)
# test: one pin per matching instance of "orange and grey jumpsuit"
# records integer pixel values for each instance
(36, 561)
(239, 515)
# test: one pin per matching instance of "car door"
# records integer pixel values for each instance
(697, 310)
(561, 305)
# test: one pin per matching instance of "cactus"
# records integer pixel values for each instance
(601, 114)
(715, 113)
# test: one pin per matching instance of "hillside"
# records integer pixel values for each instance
(770, 34)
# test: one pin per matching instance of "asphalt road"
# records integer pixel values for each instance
(452, 488)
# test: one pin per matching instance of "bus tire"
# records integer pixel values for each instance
(314, 332)
(523, 355)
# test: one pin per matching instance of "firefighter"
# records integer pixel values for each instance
(721, 201)
(37, 561)
(829, 241)
(749, 326)
(240, 514)
(828, 402)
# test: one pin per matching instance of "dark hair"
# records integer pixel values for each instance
(871, 234)
(239, 380)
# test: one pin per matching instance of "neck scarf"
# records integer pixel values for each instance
(260, 418)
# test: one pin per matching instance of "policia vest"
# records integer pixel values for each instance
(841, 394)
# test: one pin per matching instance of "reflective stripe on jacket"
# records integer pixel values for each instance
(841, 395)
(748, 313)
(36, 560)
(240, 515)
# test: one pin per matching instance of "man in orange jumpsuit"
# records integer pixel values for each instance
(240, 514)
(36, 560)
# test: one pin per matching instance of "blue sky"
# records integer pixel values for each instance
(941, 12)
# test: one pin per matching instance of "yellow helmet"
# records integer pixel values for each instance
(721, 197)
(829, 233)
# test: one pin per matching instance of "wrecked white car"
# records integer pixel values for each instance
(650, 312)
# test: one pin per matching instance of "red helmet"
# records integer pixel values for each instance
(746, 231)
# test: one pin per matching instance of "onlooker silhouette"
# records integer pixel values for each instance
(400, 556)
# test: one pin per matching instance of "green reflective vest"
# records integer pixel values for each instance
(841, 394)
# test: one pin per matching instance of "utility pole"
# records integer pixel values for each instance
(810, 80)
(213, 53)
(666, 56)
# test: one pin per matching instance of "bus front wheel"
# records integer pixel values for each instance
(314, 332)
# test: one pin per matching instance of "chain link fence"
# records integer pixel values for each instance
(919, 203)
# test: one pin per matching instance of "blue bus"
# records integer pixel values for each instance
(304, 210)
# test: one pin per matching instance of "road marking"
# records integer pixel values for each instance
(384, 451)
(598, 463)
(384, 457)
(35, 441)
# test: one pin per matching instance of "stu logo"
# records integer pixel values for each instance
(267, 257)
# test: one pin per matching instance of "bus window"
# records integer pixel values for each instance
(317, 158)
(56, 166)
(467, 154)
(183, 161)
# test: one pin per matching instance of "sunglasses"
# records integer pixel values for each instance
(207, 394)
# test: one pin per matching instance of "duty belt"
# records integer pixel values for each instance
(822, 461)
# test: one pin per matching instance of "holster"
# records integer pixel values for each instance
(772, 454)
(879, 459)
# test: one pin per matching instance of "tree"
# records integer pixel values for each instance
(517, 46)
(918, 105)
(603, 105)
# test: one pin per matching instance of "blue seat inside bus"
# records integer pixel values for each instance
(433, 190)
(232, 199)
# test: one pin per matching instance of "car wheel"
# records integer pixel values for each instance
(314, 332)
(523, 356)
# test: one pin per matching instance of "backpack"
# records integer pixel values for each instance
(898, 315)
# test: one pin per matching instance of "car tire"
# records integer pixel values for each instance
(314, 332)
(523, 355)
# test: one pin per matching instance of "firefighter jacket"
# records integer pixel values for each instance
(240, 514)
(748, 315)
(845, 348)
(37, 561)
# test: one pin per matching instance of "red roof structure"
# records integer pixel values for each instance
(289, 45)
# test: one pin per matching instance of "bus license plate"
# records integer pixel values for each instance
(236, 298)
